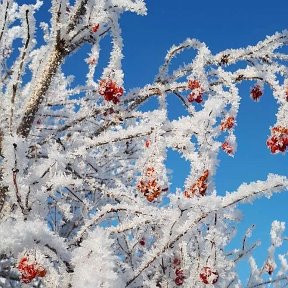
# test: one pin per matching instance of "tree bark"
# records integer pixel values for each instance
(40, 88)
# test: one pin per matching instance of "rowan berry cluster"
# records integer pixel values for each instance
(110, 90)
(256, 93)
(30, 269)
(197, 91)
(227, 147)
(227, 123)
(208, 275)
(179, 279)
(199, 187)
(149, 185)
(278, 141)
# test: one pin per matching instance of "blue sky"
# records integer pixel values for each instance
(220, 24)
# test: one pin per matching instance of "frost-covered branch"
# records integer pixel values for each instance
(85, 187)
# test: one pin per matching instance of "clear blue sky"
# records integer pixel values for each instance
(220, 24)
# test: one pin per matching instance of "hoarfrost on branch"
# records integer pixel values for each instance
(85, 199)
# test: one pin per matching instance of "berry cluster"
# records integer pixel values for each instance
(30, 270)
(197, 91)
(227, 147)
(208, 275)
(179, 279)
(256, 93)
(199, 187)
(149, 186)
(269, 267)
(278, 141)
(227, 123)
(110, 91)
(95, 28)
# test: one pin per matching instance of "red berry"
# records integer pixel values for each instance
(95, 28)
(147, 143)
(22, 263)
(196, 94)
(179, 281)
(30, 270)
(228, 123)
(25, 279)
(227, 147)
(41, 271)
(256, 93)
(179, 272)
(176, 261)
(142, 242)
(195, 97)
(278, 141)
(208, 275)
(199, 187)
(193, 84)
(151, 197)
(149, 188)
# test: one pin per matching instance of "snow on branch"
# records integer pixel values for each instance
(249, 192)
(85, 192)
